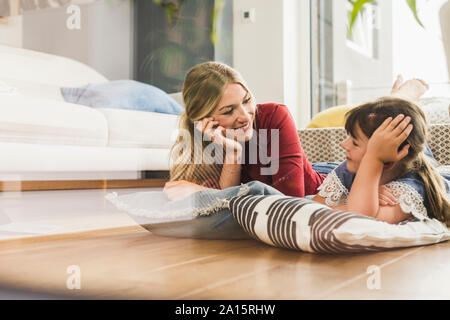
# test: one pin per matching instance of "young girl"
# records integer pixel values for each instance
(219, 105)
(386, 144)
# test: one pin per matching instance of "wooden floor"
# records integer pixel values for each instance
(128, 262)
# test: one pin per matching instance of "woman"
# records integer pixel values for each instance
(256, 142)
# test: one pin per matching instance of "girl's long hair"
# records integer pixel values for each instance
(203, 88)
(371, 115)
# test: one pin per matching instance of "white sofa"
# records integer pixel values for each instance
(41, 133)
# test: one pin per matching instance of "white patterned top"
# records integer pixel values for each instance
(409, 190)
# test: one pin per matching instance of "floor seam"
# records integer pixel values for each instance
(362, 275)
(223, 282)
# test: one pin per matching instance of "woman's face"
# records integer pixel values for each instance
(236, 110)
(355, 148)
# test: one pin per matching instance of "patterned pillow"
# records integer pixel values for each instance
(436, 109)
(305, 225)
(330, 139)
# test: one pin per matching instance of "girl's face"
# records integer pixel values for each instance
(355, 148)
(236, 110)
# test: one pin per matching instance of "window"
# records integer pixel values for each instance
(386, 41)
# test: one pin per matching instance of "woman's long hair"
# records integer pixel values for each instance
(203, 88)
(371, 115)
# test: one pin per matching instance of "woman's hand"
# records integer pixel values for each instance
(386, 197)
(178, 190)
(218, 135)
(384, 143)
(411, 89)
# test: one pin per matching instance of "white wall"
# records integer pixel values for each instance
(266, 52)
(11, 31)
(104, 40)
(258, 48)
(363, 71)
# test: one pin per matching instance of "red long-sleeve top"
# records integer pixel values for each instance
(295, 176)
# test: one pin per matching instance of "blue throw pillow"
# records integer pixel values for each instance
(123, 94)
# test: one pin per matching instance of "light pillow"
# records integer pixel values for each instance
(436, 109)
(305, 225)
(123, 94)
(330, 118)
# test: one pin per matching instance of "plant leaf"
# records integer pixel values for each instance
(413, 7)
(218, 6)
(357, 7)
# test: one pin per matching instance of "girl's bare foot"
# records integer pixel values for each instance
(411, 89)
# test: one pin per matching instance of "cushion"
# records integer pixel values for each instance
(139, 129)
(41, 121)
(436, 109)
(123, 94)
(329, 118)
(38, 67)
(306, 225)
(330, 139)
(263, 213)
(32, 89)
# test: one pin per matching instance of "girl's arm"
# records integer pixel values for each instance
(322, 200)
(386, 199)
(389, 214)
(363, 196)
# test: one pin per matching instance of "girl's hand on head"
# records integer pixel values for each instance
(178, 190)
(385, 141)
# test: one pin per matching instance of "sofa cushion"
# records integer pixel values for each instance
(41, 121)
(123, 94)
(26, 158)
(32, 89)
(330, 139)
(28, 65)
(139, 129)
(436, 109)
(331, 117)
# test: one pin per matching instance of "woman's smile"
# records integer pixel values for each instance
(244, 128)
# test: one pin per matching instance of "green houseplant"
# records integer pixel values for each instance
(172, 7)
(358, 7)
